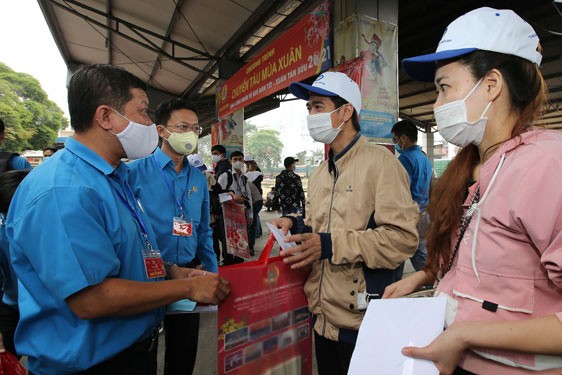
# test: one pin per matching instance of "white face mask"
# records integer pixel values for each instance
(452, 122)
(216, 158)
(138, 140)
(238, 165)
(183, 143)
(320, 127)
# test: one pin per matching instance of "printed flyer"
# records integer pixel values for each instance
(264, 325)
(236, 230)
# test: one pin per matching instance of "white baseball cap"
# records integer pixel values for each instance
(487, 29)
(248, 158)
(330, 84)
(196, 161)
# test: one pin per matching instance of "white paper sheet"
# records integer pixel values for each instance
(280, 237)
(391, 324)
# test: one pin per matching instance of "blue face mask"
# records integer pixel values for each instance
(398, 149)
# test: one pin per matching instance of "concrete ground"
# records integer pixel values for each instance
(206, 363)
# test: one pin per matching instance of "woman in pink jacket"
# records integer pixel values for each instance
(495, 242)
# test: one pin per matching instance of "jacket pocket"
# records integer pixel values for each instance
(495, 292)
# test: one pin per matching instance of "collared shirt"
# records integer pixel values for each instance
(151, 179)
(239, 186)
(68, 230)
(18, 162)
(419, 170)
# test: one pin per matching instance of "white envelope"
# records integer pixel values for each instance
(280, 237)
(391, 324)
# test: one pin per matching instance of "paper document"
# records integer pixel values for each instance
(280, 237)
(392, 324)
(225, 197)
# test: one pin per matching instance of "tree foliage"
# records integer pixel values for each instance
(266, 148)
(32, 120)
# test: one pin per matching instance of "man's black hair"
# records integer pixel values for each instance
(236, 153)
(95, 85)
(219, 148)
(338, 102)
(165, 109)
(2, 127)
(407, 128)
(50, 149)
(9, 182)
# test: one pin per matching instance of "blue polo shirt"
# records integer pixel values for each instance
(69, 229)
(160, 189)
(19, 163)
(419, 170)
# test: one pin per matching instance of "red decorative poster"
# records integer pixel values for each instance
(301, 52)
(264, 325)
(236, 230)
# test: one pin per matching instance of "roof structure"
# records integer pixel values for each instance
(183, 48)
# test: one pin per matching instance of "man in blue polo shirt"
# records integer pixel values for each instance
(418, 166)
(91, 287)
(176, 198)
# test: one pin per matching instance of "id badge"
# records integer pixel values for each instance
(182, 227)
(153, 264)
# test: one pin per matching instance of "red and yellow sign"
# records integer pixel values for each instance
(301, 52)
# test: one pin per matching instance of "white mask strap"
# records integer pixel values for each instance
(473, 89)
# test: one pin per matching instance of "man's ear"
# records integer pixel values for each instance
(162, 131)
(347, 112)
(102, 117)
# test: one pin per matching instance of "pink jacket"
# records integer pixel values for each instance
(509, 264)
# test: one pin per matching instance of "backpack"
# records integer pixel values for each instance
(5, 160)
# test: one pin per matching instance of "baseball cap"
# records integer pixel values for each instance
(196, 161)
(330, 84)
(248, 158)
(289, 160)
(487, 29)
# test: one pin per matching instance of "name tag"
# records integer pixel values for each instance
(182, 227)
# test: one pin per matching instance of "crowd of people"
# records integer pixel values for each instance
(95, 252)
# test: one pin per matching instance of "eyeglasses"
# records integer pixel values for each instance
(184, 128)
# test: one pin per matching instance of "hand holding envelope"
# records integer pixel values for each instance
(390, 325)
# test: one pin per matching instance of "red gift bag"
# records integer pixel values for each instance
(10, 365)
(264, 325)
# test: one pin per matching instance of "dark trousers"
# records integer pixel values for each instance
(252, 229)
(217, 239)
(139, 358)
(9, 317)
(182, 338)
(332, 357)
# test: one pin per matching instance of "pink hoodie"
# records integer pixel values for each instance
(509, 263)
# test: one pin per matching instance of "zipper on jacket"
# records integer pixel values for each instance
(324, 260)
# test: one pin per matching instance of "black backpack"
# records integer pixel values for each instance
(5, 159)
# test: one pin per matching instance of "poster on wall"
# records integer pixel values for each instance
(366, 49)
(264, 326)
(229, 132)
(301, 52)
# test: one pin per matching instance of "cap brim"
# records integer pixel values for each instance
(422, 68)
(302, 91)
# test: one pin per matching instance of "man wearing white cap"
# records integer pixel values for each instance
(360, 218)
